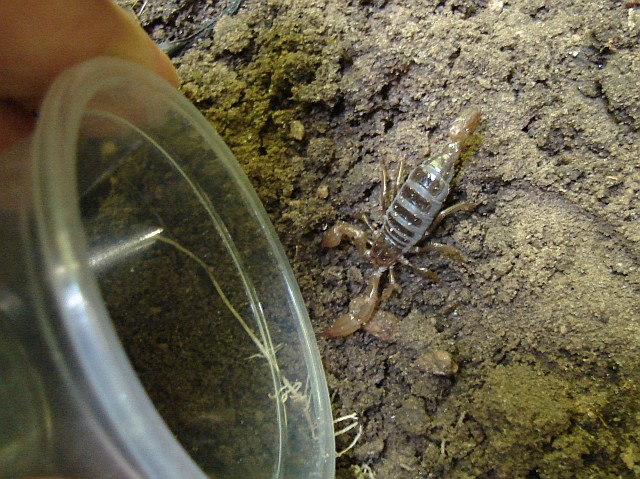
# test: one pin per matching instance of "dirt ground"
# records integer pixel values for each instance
(543, 322)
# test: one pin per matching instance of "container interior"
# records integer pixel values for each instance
(193, 278)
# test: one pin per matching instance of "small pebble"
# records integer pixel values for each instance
(322, 192)
(437, 362)
(495, 6)
(296, 130)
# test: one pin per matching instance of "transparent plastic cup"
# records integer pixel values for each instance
(150, 324)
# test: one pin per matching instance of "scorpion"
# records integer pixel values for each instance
(410, 218)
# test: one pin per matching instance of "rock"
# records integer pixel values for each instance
(436, 362)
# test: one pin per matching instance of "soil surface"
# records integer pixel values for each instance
(525, 361)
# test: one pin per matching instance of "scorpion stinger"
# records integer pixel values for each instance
(411, 217)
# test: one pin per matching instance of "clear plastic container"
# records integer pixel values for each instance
(150, 324)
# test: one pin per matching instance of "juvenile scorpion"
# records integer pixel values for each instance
(411, 217)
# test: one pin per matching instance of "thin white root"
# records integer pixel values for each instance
(269, 355)
(346, 429)
(289, 391)
(276, 348)
(351, 444)
(363, 471)
(367, 471)
(356, 423)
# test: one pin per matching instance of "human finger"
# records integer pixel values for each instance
(39, 39)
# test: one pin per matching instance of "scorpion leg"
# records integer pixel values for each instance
(395, 186)
(426, 272)
(393, 286)
(362, 217)
(361, 310)
(445, 249)
(399, 179)
(384, 180)
(462, 206)
(333, 236)
(387, 193)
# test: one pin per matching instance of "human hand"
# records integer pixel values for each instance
(41, 38)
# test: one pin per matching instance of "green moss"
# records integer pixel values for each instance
(288, 70)
(538, 423)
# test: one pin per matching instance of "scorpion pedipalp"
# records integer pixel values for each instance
(361, 310)
(333, 236)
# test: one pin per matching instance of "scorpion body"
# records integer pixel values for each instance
(412, 216)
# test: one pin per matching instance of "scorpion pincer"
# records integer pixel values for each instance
(411, 217)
